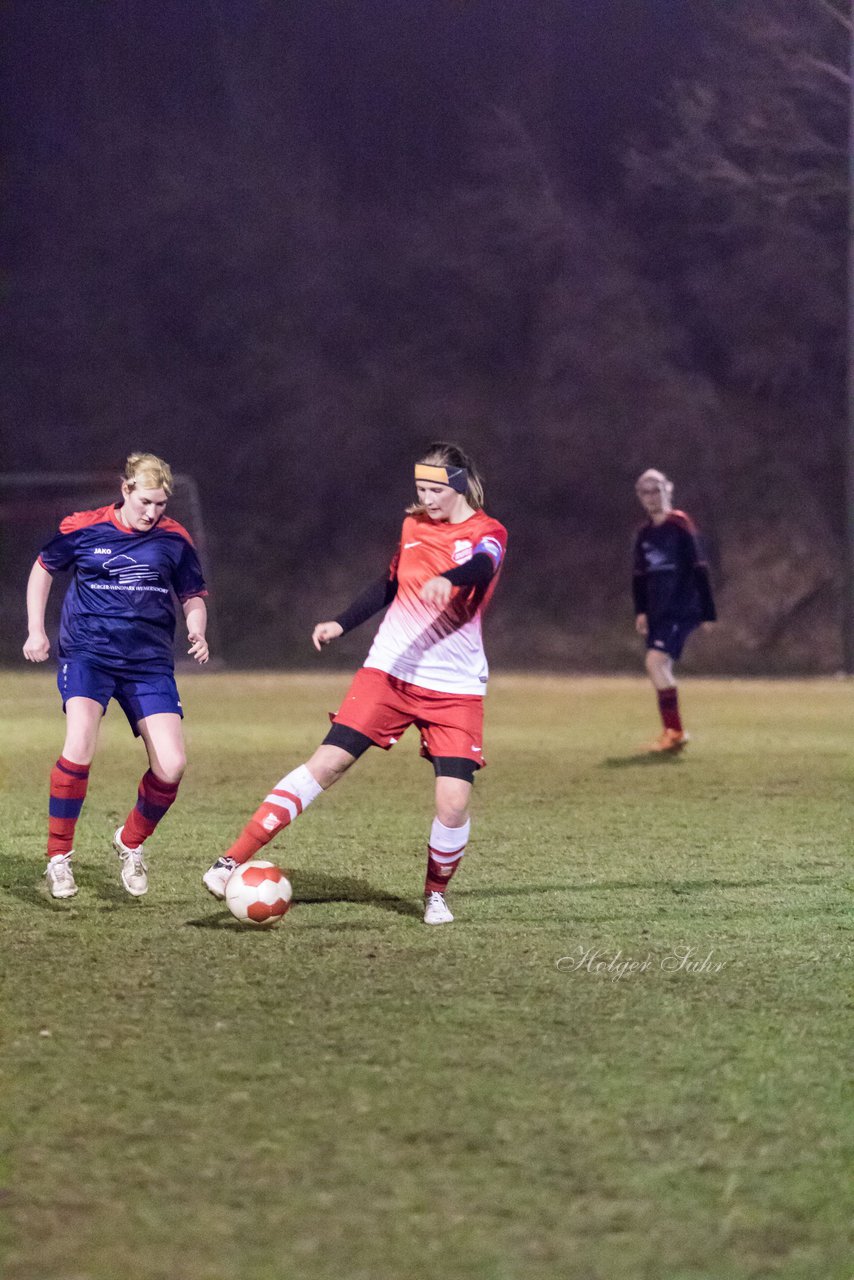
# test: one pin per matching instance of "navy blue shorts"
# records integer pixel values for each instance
(136, 697)
(670, 637)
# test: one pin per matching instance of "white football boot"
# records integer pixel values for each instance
(60, 877)
(134, 870)
(436, 909)
(217, 877)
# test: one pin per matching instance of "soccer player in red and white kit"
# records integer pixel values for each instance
(425, 667)
(115, 641)
(672, 596)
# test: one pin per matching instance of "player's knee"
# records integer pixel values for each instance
(171, 768)
(79, 746)
(452, 815)
(452, 801)
(656, 661)
(328, 764)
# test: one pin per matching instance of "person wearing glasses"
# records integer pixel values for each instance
(672, 595)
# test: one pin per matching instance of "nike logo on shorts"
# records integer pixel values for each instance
(407, 545)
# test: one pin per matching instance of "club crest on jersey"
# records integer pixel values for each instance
(461, 553)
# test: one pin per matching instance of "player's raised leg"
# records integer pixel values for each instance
(281, 806)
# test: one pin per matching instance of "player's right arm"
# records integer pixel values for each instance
(374, 598)
(639, 588)
(325, 633)
(37, 647)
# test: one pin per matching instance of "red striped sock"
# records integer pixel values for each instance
(444, 854)
(282, 806)
(668, 705)
(68, 783)
(154, 799)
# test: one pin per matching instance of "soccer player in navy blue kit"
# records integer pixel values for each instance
(116, 641)
(672, 595)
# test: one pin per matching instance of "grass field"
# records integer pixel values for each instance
(356, 1096)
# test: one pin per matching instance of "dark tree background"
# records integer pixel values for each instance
(286, 244)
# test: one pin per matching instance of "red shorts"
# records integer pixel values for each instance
(382, 708)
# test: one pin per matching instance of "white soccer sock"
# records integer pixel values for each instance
(295, 792)
(449, 839)
(447, 846)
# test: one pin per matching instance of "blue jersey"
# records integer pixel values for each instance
(671, 577)
(119, 611)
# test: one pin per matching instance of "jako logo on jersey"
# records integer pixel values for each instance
(102, 551)
(461, 553)
(129, 571)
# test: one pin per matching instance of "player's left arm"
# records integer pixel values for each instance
(704, 590)
(196, 618)
(189, 584)
(478, 572)
(693, 550)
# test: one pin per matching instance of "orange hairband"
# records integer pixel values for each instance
(457, 478)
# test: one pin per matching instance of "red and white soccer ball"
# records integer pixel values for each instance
(258, 893)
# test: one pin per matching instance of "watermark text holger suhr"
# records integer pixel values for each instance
(616, 964)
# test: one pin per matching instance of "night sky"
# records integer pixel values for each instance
(242, 233)
(382, 87)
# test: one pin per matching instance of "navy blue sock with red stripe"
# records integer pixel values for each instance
(154, 799)
(68, 783)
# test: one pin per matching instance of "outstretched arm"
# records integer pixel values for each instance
(374, 598)
(37, 646)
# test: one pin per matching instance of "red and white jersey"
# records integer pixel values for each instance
(425, 645)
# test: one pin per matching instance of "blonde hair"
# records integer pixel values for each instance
(658, 477)
(147, 471)
(442, 454)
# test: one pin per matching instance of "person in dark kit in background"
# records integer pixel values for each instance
(115, 641)
(672, 596)
(426, 667)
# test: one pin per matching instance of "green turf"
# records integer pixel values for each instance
(358, 1097)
